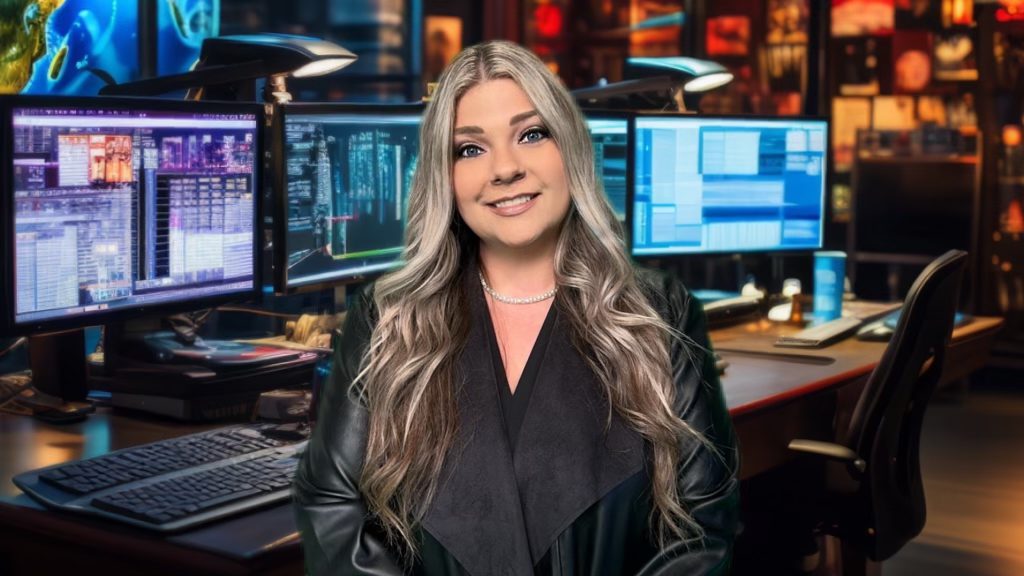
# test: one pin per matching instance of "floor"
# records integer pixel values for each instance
(972, 458)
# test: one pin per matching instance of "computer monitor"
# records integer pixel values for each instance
(116, 208)
(343, 179)
(613, 146)
(728, 184)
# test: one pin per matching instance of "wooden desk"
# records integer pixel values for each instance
(774, 394)
(777, 394)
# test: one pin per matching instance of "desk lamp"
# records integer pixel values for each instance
(229, 66)
(684, 80)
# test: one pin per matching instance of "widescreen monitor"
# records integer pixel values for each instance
(610, 135)
(344, 177)
(127, 206)
(721, 184)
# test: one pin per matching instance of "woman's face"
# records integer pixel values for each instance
(510, 184)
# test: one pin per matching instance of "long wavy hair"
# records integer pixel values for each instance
(409, 372)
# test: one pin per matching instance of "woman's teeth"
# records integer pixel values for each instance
(514, 201)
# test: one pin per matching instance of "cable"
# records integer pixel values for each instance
(259, 312)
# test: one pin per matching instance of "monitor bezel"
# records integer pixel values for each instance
(826, 184)
(630, 118)
(8, 103)
(279, 204)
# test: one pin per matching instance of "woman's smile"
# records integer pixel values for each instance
(514, 205)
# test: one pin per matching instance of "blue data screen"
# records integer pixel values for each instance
(706, 185)
(610, 138)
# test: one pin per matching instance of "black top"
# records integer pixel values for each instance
(513, 406)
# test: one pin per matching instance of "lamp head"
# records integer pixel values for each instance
(229, 66)
(683, 80)
(298, 56)
(700, 75)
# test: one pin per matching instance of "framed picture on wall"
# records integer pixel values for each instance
(786, 22)
(859, 67)
(893, 113)
(862, 17)
(957, 12)
(656, 27)
(848, 116)
(918, 14)
(728, 36)
(442, 36)
(955, 57)
(931, 109)
(911, 60)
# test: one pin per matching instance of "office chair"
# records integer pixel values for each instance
(875, 503)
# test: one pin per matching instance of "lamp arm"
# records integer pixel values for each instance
(206, 76)
(625, 88)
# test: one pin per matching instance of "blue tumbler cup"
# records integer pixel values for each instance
(829, 275)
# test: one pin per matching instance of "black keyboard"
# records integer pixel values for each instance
(178, 483)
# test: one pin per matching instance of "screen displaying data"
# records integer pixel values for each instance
(707, 185)
(610, 137)
(347, 178)
(126, 208)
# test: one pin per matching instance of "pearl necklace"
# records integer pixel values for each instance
(514, 300)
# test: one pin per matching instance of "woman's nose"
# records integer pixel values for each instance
(507, 168)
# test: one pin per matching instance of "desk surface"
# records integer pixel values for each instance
(773, 394)
(761, 375)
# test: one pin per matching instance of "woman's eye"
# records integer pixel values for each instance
(468, 151)
(534, 135)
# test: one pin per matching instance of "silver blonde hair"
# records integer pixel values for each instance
(409, 372)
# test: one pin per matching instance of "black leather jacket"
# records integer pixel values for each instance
(573, 498)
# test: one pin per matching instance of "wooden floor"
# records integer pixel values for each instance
(972, 458)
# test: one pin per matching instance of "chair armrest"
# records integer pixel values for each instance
(829, 450)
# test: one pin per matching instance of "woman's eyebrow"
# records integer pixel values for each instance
(515, 120)
(522, 116)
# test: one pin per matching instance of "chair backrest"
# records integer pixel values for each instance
(886, 425)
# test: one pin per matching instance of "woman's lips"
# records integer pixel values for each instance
(515, 209)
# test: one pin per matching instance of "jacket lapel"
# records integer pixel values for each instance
(564, 460)
(476, 514)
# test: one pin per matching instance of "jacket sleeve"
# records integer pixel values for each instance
(708, 482)
(338, 537)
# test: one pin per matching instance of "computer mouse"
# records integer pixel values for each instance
(879, 331)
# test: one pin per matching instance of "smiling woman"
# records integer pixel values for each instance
(509, 180)
(518, 383)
